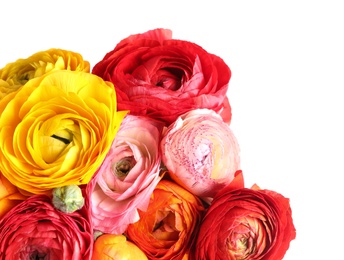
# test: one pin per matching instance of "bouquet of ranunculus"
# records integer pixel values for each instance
(132, 159)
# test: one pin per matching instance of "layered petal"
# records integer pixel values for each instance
(163, 78)
(16, 74)
(34, 229)
(57, 130)
(128, 175)
(9, 196)
(169, 226)
(244, 223)
(201, 152)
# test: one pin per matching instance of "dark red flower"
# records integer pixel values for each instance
(246, 224)
(34, 229)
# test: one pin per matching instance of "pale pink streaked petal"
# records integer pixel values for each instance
(201, 152)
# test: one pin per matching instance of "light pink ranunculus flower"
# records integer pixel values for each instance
(128, 175)
(200, 152)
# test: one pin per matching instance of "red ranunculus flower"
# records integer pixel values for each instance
(244, 224)
(163, 78)
(34, 229)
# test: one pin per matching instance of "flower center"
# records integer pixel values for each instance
(242, 241)
(168, 78)
(52, 147)
(238, 247)
(122, 168)
(165, 226)
(62, 139)
(35, 255)
(25, 77)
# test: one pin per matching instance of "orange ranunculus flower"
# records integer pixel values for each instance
(170, 224)
(110, 246)
(16, 74)
(56, 130)
(9, 196)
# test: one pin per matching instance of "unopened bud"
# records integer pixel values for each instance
(68, 198)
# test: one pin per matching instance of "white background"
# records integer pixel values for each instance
(287, 62)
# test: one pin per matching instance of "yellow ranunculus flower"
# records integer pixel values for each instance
(57, 129)
(16, 74)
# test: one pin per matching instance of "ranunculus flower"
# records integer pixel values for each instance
(110, 246)
(169, 226)
(16, 74)
(200, 152)
(128, 176)
(244, 223)
(34, 229)
(56, 130)
(164, 78)
(9, 196)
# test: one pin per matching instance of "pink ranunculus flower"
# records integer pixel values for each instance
(200, 152)
(163, 78)
(35, 229)
(128, 175)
